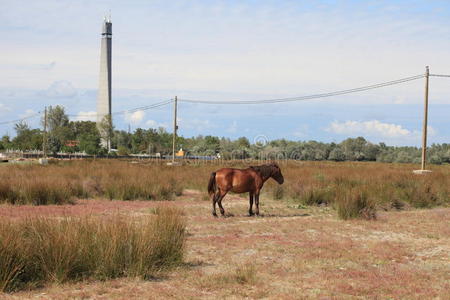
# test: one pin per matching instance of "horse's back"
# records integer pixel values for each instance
(236, 180)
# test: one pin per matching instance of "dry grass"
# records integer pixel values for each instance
(376, 185)
(62, 183)
(352, 203)
(358, 190)
(43, 250)
(288, 253)
(298, 248)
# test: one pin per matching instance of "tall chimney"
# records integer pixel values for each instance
(104, 88)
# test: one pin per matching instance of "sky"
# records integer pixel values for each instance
(233, 50)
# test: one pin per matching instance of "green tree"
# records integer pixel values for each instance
(26, 138)
(58, 128)
(6, 142)
(106, 130)
(337, 154)
(89, 142)
(56, 118)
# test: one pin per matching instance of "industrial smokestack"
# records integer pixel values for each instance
(104, 89)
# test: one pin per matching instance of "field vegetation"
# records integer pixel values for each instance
(98, 243)
(40, 251)
(354, 189)
(289, 252)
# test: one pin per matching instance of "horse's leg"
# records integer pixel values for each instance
(219, 201)
(215, 196)
(250, 210)
(257, 202)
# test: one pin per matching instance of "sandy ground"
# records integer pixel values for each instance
(288, 253)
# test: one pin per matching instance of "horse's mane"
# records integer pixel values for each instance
(264, 170)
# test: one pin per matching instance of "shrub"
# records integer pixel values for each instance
(245, 274)
(241, 274)
(317, 196)
(278, 193)
(37, 251)
(354, 203)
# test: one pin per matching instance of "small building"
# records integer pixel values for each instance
(180, 153)
(3, 158)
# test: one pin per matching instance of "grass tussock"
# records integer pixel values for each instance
(35, 252)
(355, 203)
(245, 274)
(242, 274)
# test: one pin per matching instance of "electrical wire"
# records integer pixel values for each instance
(266, 101)
(142, 108)
(308, 97)
(20, 120)
(439, 75)
(132, 110)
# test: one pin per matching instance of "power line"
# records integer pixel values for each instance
(439, 75)
(309, 97)
(142, 108)
(147, 107)
(20, 120)
(266, 101)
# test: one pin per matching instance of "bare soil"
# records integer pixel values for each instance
(287, 253)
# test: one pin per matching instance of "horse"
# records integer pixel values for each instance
(249, 180)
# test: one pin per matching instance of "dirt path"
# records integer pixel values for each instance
(288, 253)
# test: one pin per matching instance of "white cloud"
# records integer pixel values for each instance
(280, 48)
(195, 124)
(154, 124)
(399, 100)
(151, 123)
(368, 128)
(60, 89)
(135, 118)
(379, 131)
(27, 113)
(86, 116)
(233, 127)
(4, 108)
(301, 132)
(431, 131)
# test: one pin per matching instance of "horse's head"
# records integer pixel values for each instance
(276, 173)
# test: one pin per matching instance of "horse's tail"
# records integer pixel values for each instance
(212, 183)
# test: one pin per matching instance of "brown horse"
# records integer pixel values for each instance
(249, 180)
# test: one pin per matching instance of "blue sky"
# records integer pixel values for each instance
(220, 50)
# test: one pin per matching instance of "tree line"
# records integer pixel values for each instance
(68, 136)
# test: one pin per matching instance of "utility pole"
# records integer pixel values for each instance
(44, 142)
(425, 125)
(175, 127)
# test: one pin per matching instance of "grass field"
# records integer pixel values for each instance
(299, 248)
(345, 186)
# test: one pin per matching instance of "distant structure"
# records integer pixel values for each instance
(104, 88)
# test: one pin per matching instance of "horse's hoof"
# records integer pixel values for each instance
(214, 215)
